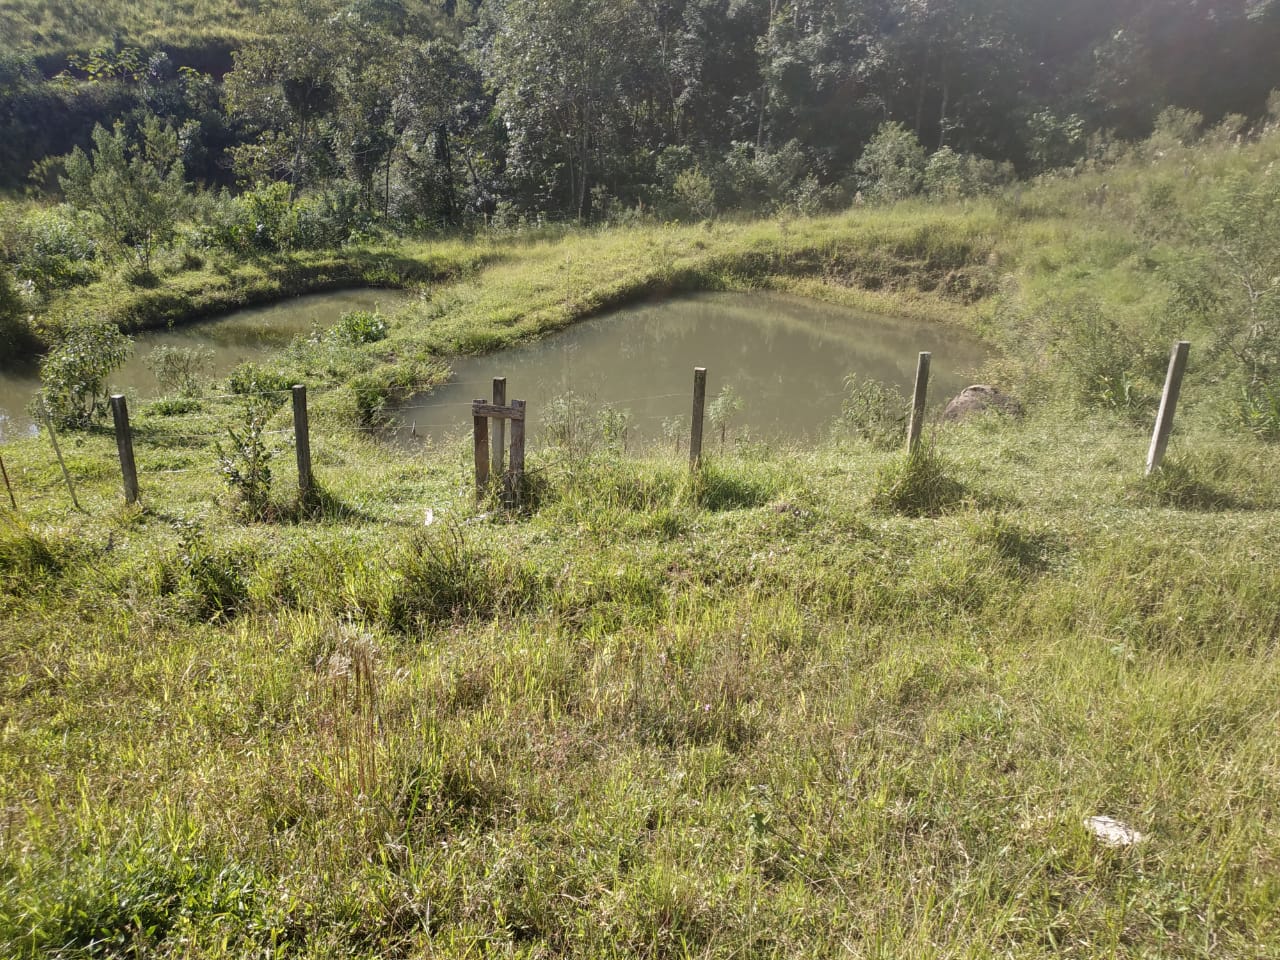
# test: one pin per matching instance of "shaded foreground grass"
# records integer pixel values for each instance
(752, 715)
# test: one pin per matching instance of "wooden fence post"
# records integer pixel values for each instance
(517, 452)
(916, 424)
(5, 473)
(124, 446)
(302, 442)
(498, 450)
(480, 423)
(699, 402)
(57, 452)
(1168, 404)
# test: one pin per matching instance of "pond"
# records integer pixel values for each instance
(250, 334)
(786, 358)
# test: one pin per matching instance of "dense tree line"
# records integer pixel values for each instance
(587, 109)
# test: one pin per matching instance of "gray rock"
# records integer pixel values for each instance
(979, 398)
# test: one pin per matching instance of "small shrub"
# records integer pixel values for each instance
(873, 411)
(178, 369)
(1175, 127)
(358, 326)
(918, 483)
(211, 584)
(14, 333)
(246, 464)
(174, 406)
(892, 164)
(723, 409)
(1257, 410)
(250, 379)
(694, 193)
(55, 249)
(74, 375)
(1106, 362)
(950, 175)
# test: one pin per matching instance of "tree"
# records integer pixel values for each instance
(283, 86)
(893, 164)
(135, 190)
(557, 68)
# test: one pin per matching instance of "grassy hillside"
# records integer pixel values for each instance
(67, 26)
(804, 703)
(55, 28)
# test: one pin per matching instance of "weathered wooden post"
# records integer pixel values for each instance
(480, 423)
(124, 446)
(302, 442)
(916, 424)
(5, 473)
(498, 448)
(699, 403)
(516, 481)
(1168, 404)
(57, 452)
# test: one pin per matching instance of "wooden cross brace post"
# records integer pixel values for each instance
(482, 411)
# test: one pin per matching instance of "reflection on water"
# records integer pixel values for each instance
(785, 357)
(249, 334)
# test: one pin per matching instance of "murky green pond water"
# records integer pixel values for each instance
(248, 334)
(785, 357)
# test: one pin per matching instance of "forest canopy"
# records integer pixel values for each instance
(436, 115)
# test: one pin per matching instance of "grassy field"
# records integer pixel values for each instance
(803, 703)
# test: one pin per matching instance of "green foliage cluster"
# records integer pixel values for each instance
(75, 375)
(14, 335)
(245, 464)
(270, 219)
(135, 192)
(55, 249)
(358, 326)
(873, 411)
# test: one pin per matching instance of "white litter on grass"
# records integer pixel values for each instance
(1112, 833)
(429, 518)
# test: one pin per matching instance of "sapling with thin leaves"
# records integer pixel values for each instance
(726, 406)
(246, 464)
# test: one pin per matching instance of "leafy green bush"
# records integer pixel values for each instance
(949, 175)
(358, 326)
(763, 179)
(694, 193)
(892, 164)
(56, 249)
(1107, 363)
(14, 333)
(267, 219)
(74, 374)
(249, 378)
(246, 464)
